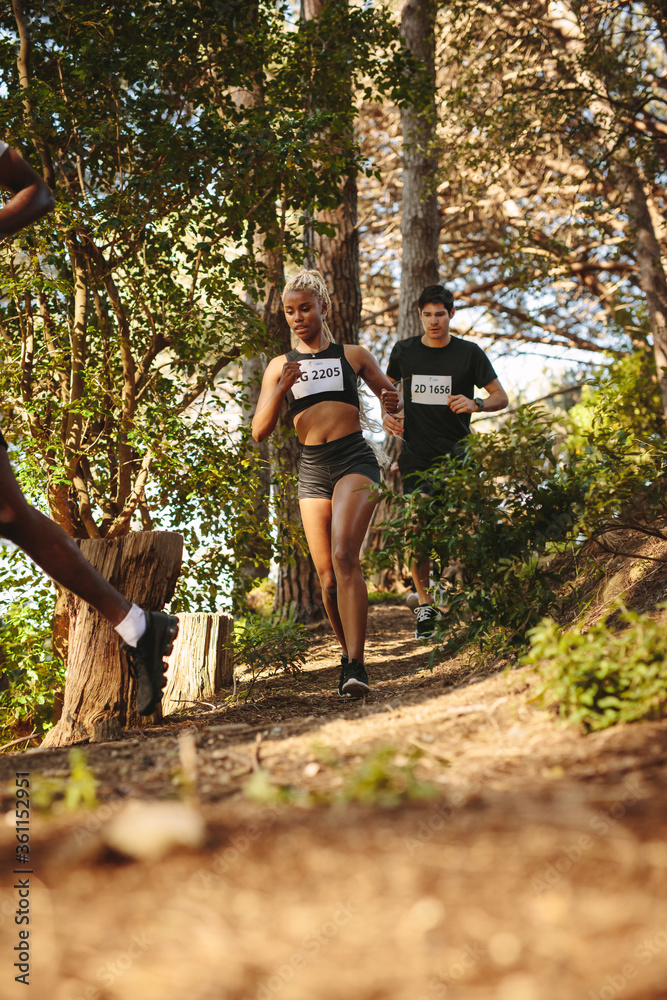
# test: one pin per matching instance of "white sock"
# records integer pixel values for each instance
(132, 626)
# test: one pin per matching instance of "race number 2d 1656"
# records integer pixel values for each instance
(433, 390)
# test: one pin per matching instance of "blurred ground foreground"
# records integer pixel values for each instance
(449, 838)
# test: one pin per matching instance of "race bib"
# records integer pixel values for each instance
(431, 389)
(319, 375)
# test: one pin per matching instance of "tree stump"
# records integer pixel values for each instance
(390, 578)
(100, 692)
(200, 664)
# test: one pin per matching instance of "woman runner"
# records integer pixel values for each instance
(338, 471)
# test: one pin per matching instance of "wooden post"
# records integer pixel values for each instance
(200, 664)
(99, 691)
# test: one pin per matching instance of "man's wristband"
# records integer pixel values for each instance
(480, 403)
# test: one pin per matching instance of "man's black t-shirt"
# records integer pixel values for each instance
(430, 375)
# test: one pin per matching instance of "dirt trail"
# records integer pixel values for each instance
(535, 868)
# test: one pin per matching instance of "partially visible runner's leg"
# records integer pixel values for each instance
(354, 500)
(148, 636)
(53, 550)
(316, 517)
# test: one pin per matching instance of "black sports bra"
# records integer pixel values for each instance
(326, 375)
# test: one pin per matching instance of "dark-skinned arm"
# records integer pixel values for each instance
(32, 197)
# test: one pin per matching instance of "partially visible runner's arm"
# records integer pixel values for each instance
(32, 197)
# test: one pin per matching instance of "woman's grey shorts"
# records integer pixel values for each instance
(323, 465)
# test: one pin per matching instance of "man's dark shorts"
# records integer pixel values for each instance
(413, 475)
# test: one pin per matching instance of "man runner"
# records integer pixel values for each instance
(438, 373)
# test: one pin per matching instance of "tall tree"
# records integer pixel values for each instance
(335, 242)
(120, 322)
(553, 131)
(340, 45)
(420, 222)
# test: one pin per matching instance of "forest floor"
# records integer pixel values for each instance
(447, 837)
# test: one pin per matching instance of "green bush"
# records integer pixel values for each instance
(601, 677)
(525, 497)
(262, 645)
(386, 778)
(32, 673)
(500, 510)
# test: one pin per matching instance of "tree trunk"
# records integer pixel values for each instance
(291, 576)
(337, 258)
(390, 577)
(256, 557)
(298, 591)
(200, 664)
(420, 222)
(420, 229)
(100, 691)
(651, 272)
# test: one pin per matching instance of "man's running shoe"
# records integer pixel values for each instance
(353, 681)
(427, 619)
(147, 659)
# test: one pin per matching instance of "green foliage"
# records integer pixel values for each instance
(261, 598)
(32, 672)
(386, 778)
(81, 787)
(518, 501)
(261, 789)
(384, 597)
(499, 511)
(122, 309)
(77, 791)
(603, 676)
(262, 645)
(535, 95)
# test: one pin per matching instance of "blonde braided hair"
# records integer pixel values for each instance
(313, 282)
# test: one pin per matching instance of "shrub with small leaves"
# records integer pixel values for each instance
(520, 501)
(262, 645)
(31, 673)
(598, 678)
(386, 778)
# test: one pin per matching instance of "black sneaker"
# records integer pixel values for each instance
(147, 659)
(353, 681)
(427, 619)
(343, 667)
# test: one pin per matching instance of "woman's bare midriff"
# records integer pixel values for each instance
(326, 421)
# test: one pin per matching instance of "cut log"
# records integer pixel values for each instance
(200, 665)
(99, 691)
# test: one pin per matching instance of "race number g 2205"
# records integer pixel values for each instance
(434, 390)
(319, 375)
